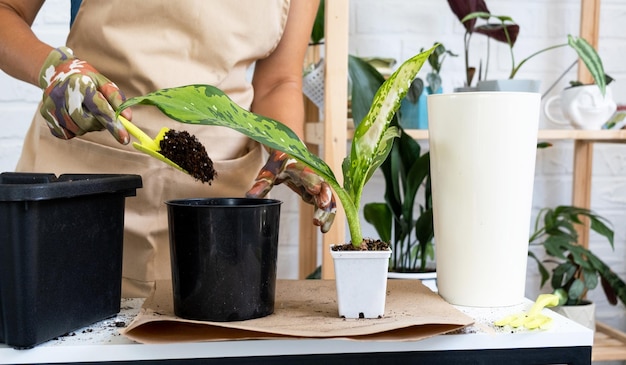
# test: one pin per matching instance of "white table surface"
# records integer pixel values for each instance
(103, 342)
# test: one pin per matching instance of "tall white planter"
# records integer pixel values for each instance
(482, 150)
(361, 282)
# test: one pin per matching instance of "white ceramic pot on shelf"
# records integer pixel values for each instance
(583, 107)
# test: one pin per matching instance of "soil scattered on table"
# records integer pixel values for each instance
(368, 244)
(187, 152)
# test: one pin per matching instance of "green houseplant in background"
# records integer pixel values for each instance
(574, 269)
(372, 142)
(505, 30)
(405, 176)
(435, 60)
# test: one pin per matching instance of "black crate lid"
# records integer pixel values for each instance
(25, 186)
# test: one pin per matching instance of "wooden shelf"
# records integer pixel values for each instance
(609, 344)
(315, 134)
(613, 136)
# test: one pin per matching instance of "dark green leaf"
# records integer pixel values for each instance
(576, 290)
(601, 227)
(544, 144)
(590, 277)
(392, 170)
(611, 283)
(424, 231)
(317, 33)
(418, 172)
(379, 215)
(577, 255)
(554, 246)
(562, 274)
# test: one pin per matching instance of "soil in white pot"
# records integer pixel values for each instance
(368, 244)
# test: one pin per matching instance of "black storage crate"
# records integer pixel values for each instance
(60, 252)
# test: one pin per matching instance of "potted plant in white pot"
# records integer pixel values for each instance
(505, 30)
(572, 269)
(406, 177)
(373, 139)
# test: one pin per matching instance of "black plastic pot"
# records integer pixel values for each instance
(60, 252)
(223, 254)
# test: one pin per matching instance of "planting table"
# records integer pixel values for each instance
(566, 342)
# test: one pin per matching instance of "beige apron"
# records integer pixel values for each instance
(144, 45)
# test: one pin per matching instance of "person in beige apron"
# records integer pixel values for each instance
(143, 46)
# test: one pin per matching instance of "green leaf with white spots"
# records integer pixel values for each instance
(373, 137)
(208, 105)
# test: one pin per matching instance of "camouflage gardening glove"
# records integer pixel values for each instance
(280, 168)
(78, 99)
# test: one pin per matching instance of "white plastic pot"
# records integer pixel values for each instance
(361, 280)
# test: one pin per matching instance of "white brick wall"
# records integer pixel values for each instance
(18, 99)
(398, 29)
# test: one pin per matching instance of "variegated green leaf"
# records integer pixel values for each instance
(369, 144)
(590, 58)
(208, 105)
(386, 143)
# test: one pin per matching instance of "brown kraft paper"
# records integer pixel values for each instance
(305, 309)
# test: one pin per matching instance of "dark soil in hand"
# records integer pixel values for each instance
(368, 244)
(187, 152)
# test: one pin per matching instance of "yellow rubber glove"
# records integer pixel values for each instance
(533, 318)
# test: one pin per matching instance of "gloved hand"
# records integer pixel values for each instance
(78, 99)
(281, 168)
